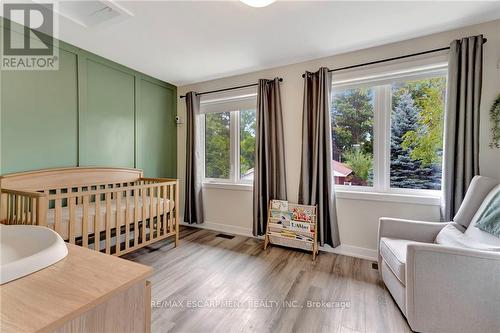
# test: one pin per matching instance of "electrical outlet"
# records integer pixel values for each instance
(178, 120)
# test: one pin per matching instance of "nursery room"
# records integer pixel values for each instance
(249, 166)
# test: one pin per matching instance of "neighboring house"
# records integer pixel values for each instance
(341, 173)
(248, 176)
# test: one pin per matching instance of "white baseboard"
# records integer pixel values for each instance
(352, 251)
(224, 228)
(344, 249)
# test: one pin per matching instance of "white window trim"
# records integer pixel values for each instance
(422, 199)
(234, 181)
(381, 189)
(228, 186)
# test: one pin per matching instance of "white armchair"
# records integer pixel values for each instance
(440, 288)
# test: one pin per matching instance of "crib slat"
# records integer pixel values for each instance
(136, 216)
(118, 222)
(144, 193)
(170, 199)
(176, 213)
(127, 220)
(57, 213)
(85, 221)
(26, 210)
(151, 212)
(72, 219)
(32, 211)
(20, 219)
(166, 197)
(170, 213)
(97, 223)
(108, 223)
(158, 208)
(164, 213)
(18, 209)
(12, 209)
(9, 208)
(21, 216)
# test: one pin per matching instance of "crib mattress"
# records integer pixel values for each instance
(64, 224)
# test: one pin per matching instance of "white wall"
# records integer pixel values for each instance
(231, 210)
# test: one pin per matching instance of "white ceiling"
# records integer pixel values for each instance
(190, 41)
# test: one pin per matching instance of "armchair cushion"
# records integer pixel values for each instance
(477, 234)
(489, 220)
(478, 189)
(393, 252)
(451, 236)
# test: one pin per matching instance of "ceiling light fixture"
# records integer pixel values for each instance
(257, 3)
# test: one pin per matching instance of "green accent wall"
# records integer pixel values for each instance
(39, 122)
(154, 128)
(107, 121)
(91, 111)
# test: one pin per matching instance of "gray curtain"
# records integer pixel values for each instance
(270, 175)
(193, 207)
(461, 128)
(316, 179)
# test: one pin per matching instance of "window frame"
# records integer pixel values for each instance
(381, 83)
(234, 146)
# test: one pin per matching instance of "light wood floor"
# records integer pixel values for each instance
(205, 269)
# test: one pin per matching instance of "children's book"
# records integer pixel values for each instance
(301, 226)
(283, 216)
(280, 205)
(302, 214)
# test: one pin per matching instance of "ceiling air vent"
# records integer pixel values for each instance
(93, 13)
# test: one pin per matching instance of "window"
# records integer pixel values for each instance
(352, 133)
(417, 133)
(229, 141)
(217, 145)
(387, 131)
(247, 144)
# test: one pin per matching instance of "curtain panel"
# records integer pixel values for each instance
(270, 174)
(461, 122)
(193, 206)
(316, 179)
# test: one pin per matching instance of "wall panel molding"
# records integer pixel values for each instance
(34, 152)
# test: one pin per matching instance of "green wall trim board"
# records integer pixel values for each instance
(92, 111)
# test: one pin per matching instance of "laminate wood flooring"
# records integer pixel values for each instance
(214, 284)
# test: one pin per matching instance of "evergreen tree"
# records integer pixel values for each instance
(352, 121)
(405, 171)
(217, 145)
(247, 140)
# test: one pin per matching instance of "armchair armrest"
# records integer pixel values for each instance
(418, 231)
(458, 283)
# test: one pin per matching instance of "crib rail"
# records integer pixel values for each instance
(114, 218)
(22, 207)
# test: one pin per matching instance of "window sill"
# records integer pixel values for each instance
(420, 199)
(228, 186)
(410, 198)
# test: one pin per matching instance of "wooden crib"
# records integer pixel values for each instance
(112, 210)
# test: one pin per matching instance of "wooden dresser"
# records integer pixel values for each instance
(85, 292)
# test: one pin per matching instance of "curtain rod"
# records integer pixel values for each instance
(226, 89)
(392, 59)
